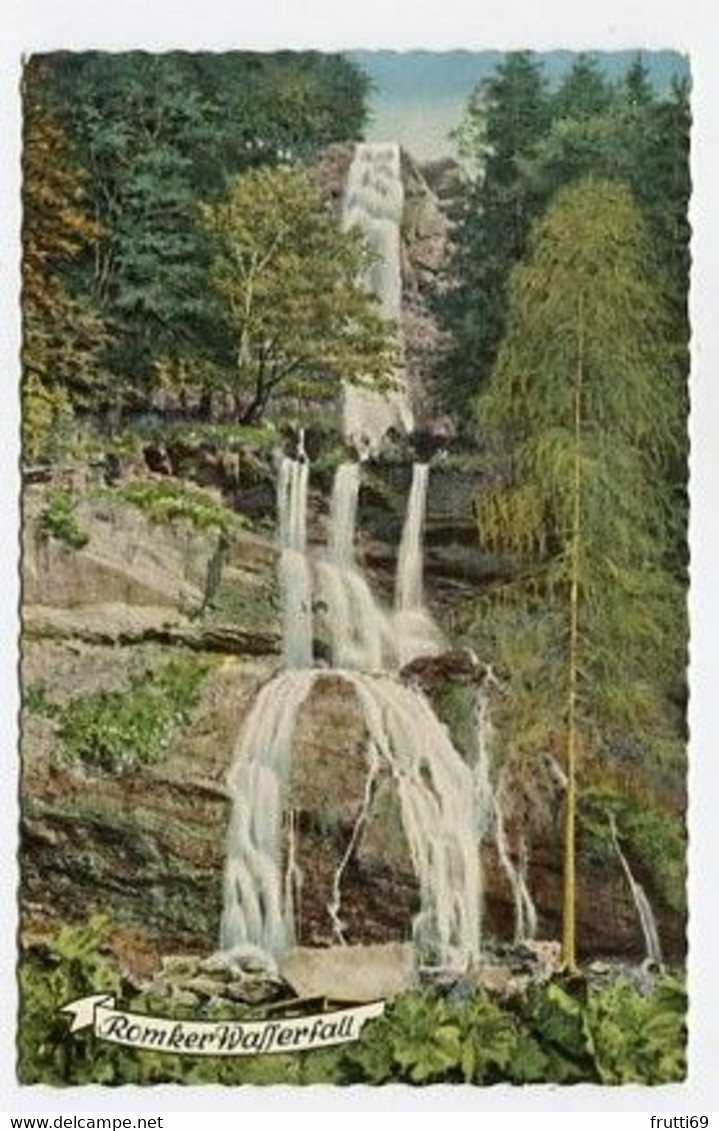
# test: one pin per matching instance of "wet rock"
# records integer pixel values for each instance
(220, 977)
(432, 672)
(240, 960)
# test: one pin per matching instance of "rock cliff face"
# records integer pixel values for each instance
(147, 846)
(426, 236)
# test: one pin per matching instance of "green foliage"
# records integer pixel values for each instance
(164, 500)
(639, 1038)
(47, 420)
(288, 277)
(63, 334)
(151, 135)
(58, 520)
(558, 1021)
(556, 1033)
(118, 731)
(589, 249)
(526, 144)
(221, 437)
(70, 966)
(506, 114)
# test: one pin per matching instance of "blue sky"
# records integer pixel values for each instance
(419, 96)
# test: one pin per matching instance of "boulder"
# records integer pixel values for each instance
(351, 973)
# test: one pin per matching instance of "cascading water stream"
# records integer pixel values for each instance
(647, 920)
(361, 633)
(373, 203)
(409, 569)
(415, 631)
(295, 574)
(489, 816)
(406, 743)
(256, 908)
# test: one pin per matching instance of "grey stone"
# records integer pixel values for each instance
(351, 973)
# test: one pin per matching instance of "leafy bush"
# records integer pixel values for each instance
(168, 499)
(58, 520)
(423, 1039)
(70, 966)
(563, 1032)
(639, 1038)
(116, 731)
(74, 964)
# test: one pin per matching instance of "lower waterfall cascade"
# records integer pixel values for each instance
(446, 805)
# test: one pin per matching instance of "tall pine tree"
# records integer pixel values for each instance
(584, 399)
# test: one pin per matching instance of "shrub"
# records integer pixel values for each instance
(58, 520)
(117, 731)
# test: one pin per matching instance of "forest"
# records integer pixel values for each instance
(195, 307)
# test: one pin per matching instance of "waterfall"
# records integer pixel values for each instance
(343, 514)
(647, 921)
(489, 816)
(373, 203)
(409, 570)
(434, 786)
(407, 744)
(257, 906)
(416, 632)
(295, 574)
(361, 632)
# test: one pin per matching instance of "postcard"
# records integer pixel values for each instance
(355, 566)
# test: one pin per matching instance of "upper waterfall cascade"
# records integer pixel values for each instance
(373, 203)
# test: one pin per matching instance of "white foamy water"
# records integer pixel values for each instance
(360, 630)
(373, 203)
(257, 905)
(489, 816)
(416, 632)
(647, 919)
(409, 569)
(295, 573)
(434, 786)
(407, 744)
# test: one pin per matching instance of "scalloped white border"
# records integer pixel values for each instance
(691, 27)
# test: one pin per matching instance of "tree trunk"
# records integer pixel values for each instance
(569, 924)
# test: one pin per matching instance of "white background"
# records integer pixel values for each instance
(35, 25)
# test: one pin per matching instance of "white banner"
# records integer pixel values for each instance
(218, 1038)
